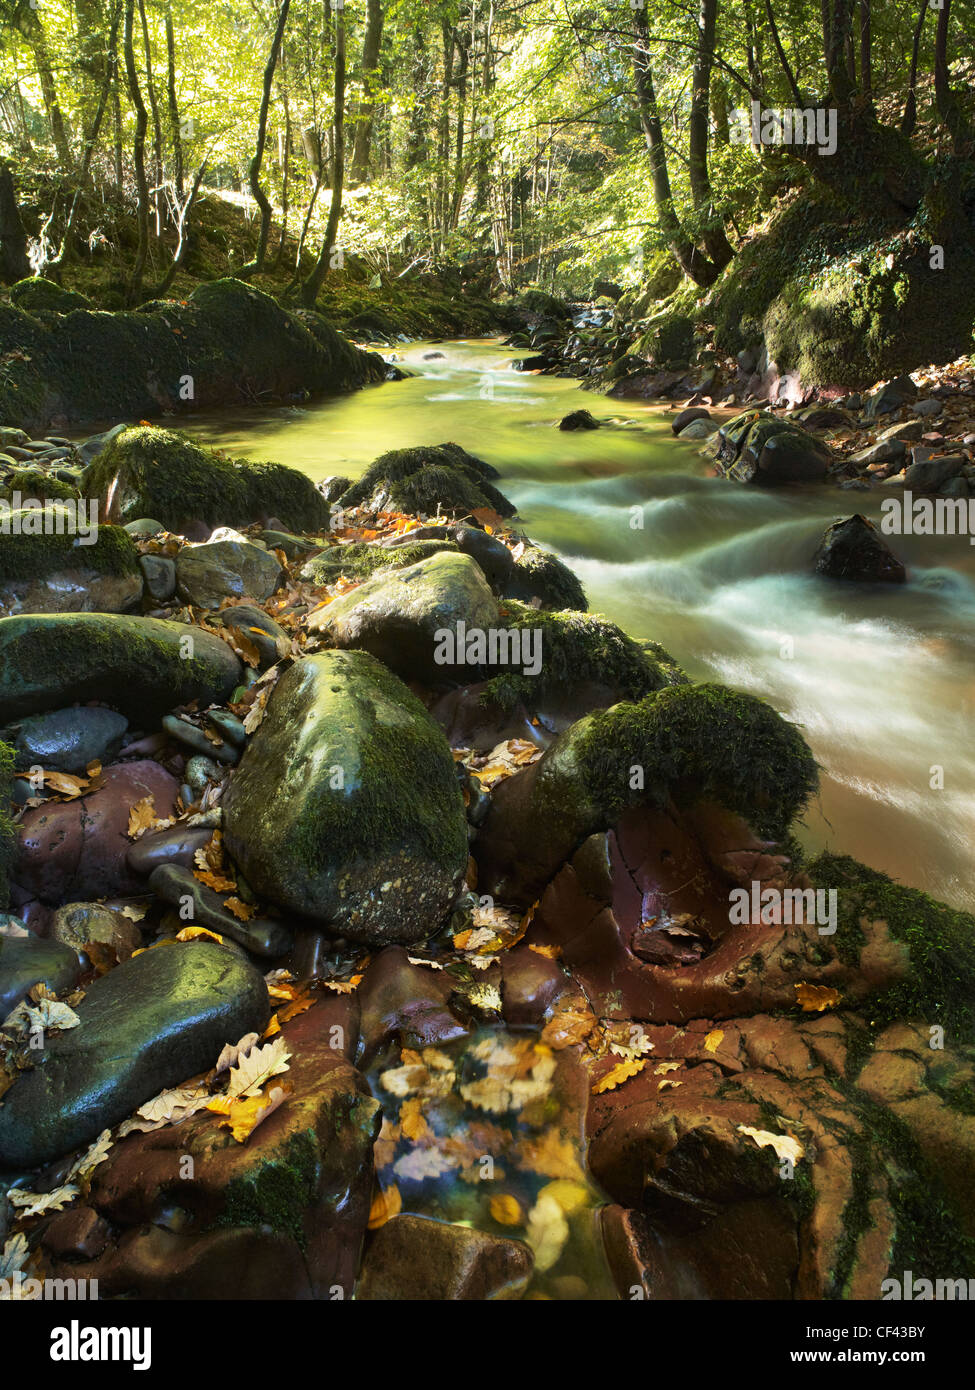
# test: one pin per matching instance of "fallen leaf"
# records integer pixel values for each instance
(713, 1040)
(256, 1067)
(243, 1115)
(783, 1144)
(506, 1210)
(388, 1202)
(816, 998)
(141, 816)
(620, 1073)
(241, 910)
(196, 933)
(232, 1052)
(218, 882)
(35, 1203)
(666, 1085)
(413, 1122)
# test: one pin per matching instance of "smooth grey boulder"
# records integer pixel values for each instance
(207, 574)
(149, 1024)
(346, 809)
(67, 740)
(26, 961)
(398, 615)
(262, 936)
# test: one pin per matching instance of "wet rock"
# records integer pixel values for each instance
(540, 576)
(345, 808)
(159, 574)
(76, 851)
(332, 488)
(26, 961)
(195, 739)
(764, 449)
(416, 1258)
(200, 772)
(397, 998)
(532, 983)
(144, 526)
(261, 936)
(884, 451)
(909, 431)
(44, 572)
(175, 846)
(282, 1216)
(854, 549)
(96, 443)
(271, 640)
(684, 417)
(67, 740)
(76, 1234)
(147, 1025)
(578, 420)
(900, 391)
(137, 665)
(400, 615)
(698, 429)
(440, 478)
(928, 407)
(928, 475)
(206, 574)
(84, 926)
(492, 555)
(293, 546)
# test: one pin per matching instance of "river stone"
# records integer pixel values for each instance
(206, 574)
(159, 573)
(928, 475)
(378, 859)
(149, 1024)
(759, 447)
(175, 846)
(697, 429)
(271, 640)
(83, 925)
(67, 740)
(261, 935)
(137, 665)
(396, 615)
(853, 549)
(900, 391)
(29, 960)
(416, 1257)
(683, 418)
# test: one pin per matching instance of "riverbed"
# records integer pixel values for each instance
(881, 680)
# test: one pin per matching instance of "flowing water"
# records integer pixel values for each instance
(879, 679)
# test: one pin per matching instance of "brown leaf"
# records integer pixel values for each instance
(816, 998)
(620, 1073)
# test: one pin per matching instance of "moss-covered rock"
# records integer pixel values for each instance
(683, 744)
(435, 478)
(45, 297)
(538, 574)
(25, 555)
(580, 652)
(152, 472)
(761, 448)
(139, 666)
(345, 808)
(361, 559)
(37, 485)
(668, 340)
(227, 344)
(940, 988)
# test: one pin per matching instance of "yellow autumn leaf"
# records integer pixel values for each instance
(217, 882)
(243, 1115)
(620, 1073)
(506, 1210)
(413, 1122)
(241, 911)
(386, 1204)
(783, 1144)
(713, 1040)
(816, 998)
(141, 816)
(198, 933)
(663, 1085)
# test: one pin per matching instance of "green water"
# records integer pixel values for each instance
(880, 681)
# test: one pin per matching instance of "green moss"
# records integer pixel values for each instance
(35, 556)
(8, 830)
(147, 471)
(668, 340)
(278, 1192)
(361, 559)
(538, 574)
(577, 648)
(697, 741)
(38, 485)
(43, 296)
(442, 478)
(940, 988)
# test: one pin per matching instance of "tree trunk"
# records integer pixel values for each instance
(157, 164)
(715, 242)
(14, 264)
(138, 156)
(949, 107)
(49, 92)
(362, 140)
(909, 118)
(260, 197)
(311, 287)
(175, 133)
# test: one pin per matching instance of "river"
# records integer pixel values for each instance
(880, 680)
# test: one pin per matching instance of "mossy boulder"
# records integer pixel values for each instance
(40, 296)
(667, 340)
(582, 656)
(36, 485)
(152, 472)
(55, 571)
(400, 616)
(362, 559)
(346, 808)
(540, 575)
(761, 448)
(440, 478)
(149, 1024)
(227, 344)
(140, 666)
(683, 744)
